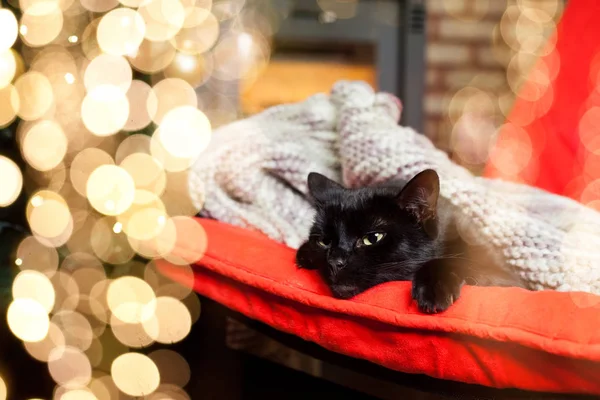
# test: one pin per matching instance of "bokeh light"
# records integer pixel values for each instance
(112, 103)
(12, 181)
(135, 374)
(28, 319)
(121, 31)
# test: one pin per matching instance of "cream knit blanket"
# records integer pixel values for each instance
(254, 175)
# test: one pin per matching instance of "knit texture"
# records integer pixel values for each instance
(254, 172)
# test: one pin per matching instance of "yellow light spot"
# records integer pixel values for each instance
(171, 321)
(43, 21)
(184, 132)
(3, 389)
(50, 218)
(69, 367)
(9, 104)
(131, 335)
(137, 143)
(135, 374)
(108, 69)
(199, 33)
(73, 39)
(44, 145)
(111, 247)
(69, 78)
(104, 110)
(146, 171)
(27, 319)
(8, 67)
(41, 350)
(152, 57)
(12, 181)
(110, 190)
(117, 227)
(163, 18)
(121, 31)
(131, 299)
(36, 286)
(169, 94)
(8, 29)
(33, 255)
(76, 329)
(35, 93)
(139, 117)
(84, 163)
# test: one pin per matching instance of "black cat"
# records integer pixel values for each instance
(396, 232)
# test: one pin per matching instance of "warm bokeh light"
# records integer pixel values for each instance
(3, 389)
(28, 320)
(135, 374)
(146, 171)
(163, 18)
(121, 31)
(105, 178)
(171, 321)
(12, 181)
(33, 255)
(84, 163)
(69, 367)
(35, 94)
(199, 33)
(169, 94)
(50, 219)
(36, 286)
(9, 104)
(76, 329)
(139, 117)
(41, 350)
(105, 109)
(8, 29)
(108, 69)
(152, 57)
(146, 217)
(109, 242)
(110, 189)
(41, 23)
(8, 67)
(44, 145)
(184, 132)
(131, 299)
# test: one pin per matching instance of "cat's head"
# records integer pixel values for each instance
(363, 237)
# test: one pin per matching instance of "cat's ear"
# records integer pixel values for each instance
(320, 187)
(420, 196)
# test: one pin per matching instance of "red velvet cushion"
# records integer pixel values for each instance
(500, 337)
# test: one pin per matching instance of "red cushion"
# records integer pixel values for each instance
(499, 337)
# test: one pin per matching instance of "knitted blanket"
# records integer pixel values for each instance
(254, 173)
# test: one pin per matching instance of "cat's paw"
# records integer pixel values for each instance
(304, 257)
(435, 287)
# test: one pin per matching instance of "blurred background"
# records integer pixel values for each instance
(104, 106)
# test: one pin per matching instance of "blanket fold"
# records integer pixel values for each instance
(253, 175)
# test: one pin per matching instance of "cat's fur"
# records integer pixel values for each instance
(420, 243)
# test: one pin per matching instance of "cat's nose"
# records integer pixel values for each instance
(337, 262)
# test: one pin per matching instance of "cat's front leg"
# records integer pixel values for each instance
(436, 286)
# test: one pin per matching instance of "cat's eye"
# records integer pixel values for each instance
(371, 239)
(324, 243)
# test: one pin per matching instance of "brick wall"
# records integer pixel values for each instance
(470, 45)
